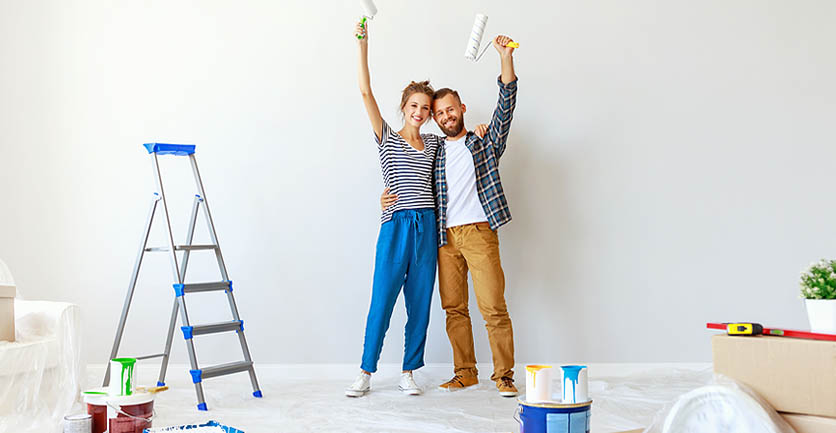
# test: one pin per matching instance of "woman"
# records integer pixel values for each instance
(406, 245)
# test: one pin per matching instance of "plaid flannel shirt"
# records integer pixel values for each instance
(486, 153)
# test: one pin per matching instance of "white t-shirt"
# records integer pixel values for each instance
(463, 205)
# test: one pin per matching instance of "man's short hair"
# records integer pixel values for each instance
(440, 93)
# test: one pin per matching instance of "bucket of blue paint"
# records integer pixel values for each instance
(553, 417)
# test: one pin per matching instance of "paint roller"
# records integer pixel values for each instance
(472, 51)
(369, 11)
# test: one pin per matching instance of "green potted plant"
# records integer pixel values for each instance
(818, 288)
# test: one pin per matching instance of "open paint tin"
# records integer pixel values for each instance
(553, 417)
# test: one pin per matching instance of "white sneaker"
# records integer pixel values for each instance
(360, 386)
(407, 385)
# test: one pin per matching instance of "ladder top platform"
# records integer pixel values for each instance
(170, 149)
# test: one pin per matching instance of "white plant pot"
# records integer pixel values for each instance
(822, 315)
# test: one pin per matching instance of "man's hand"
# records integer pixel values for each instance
(501, 44)
(387, 199)
(481, 129)
(506, 57)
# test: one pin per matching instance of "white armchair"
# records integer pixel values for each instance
(41, 372)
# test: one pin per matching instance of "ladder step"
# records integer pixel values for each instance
(195, 247)
(182, 248)
(158, 355)
(220, 370)
(181, 289)
(212, 328)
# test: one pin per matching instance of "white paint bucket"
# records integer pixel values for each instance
(575, 384)
(538, 383)
(120, 414)
(121, 376)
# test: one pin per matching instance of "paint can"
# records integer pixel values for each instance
(82, 423)
(96, 402)
(538, 383)
(121, 376)
(120, 414)
(575, 381)
(553, 417)
(130, 414)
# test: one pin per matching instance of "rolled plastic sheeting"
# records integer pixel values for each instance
(725, 406)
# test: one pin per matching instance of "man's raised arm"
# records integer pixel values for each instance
(501, 121)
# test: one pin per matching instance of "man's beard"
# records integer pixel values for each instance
(455, 130)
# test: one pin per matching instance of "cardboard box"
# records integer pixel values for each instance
(7, 313)
(810, 424)
(791, 374)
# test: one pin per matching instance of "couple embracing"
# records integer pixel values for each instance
(442, 206)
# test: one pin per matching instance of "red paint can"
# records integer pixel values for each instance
(120, 414)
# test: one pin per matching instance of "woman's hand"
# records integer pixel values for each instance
(361, 31)
(387, 199)
(481, 129)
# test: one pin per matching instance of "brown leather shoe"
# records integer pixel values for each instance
(506, 387)
(459, 382)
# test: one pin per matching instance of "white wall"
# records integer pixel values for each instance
(670, 163)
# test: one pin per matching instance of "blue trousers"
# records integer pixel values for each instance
(406, 257)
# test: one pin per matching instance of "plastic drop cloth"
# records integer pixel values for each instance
(309, 398)
(41, 372)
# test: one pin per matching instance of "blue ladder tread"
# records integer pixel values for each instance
(170, 149)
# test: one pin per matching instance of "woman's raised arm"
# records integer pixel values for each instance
(361, 31)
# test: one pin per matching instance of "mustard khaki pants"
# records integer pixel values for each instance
(475, 247)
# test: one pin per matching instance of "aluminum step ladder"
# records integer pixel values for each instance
(181, 288)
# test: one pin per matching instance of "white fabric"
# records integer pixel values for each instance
(463, 205)
(40, 373)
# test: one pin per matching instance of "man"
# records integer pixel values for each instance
(470, 207)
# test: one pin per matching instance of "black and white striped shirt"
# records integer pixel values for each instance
(407, 172)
